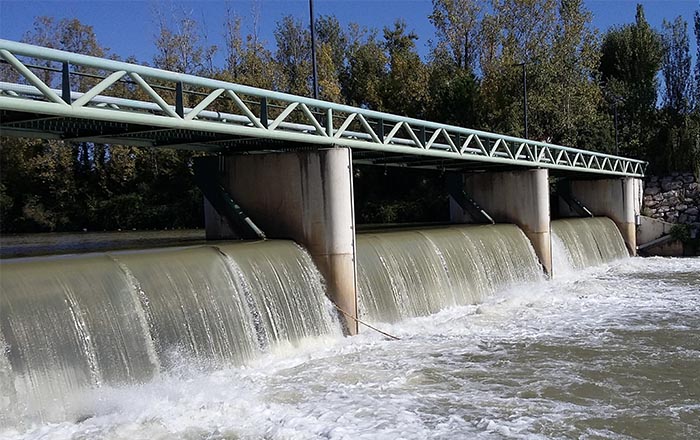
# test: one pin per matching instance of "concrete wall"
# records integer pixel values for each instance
(519, 197)
(619, 198)
(651, 229)
(306, 196)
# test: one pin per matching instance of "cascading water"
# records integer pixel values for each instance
(404, 274)
(585, 242)
(72, 323)
(75, 323)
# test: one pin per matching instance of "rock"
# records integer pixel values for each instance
(688, 178)
(681, 208)
(683, 218)
(654, 179)
(692, 211)
(658, 197)
(675, 174)
(652, 190)
(650, 203)
(692, 218)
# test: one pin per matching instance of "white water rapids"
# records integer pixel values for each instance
(611, 351)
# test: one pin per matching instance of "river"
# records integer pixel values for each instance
(611, 351)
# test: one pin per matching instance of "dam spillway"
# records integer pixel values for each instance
(74, 323)
(405, 274)
(80, 322)
(587, 242)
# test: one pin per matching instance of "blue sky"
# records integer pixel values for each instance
(127, 27)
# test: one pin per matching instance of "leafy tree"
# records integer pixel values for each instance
(293, 56)
(630, 60)
(248, 61)
(676, 66)
(454, 95)
(570, 99)
(332, 46)
(405, 88)
(179, 45)
(696, 95)
(457, 27)
(515, 32)
(366, 70)
(452, 86)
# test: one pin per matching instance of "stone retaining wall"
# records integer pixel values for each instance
(674, 198)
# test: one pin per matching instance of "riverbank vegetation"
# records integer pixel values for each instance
(630, 90)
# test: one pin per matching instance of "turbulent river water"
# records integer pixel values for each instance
(610, 351)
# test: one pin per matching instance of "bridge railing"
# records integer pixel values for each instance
(106, 90)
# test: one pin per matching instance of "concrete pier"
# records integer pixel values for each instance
(519, 197)
(306, 196)
(619, 198)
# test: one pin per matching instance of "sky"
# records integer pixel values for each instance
(127, 27)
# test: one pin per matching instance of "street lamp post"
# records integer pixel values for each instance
(525, 98)
(617, 144)
(313, 49)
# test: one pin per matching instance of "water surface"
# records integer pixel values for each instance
(607, 352)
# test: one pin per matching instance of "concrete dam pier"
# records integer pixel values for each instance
(307, 196)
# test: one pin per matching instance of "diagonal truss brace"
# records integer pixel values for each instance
(324, 123)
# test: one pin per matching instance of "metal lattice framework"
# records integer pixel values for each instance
(106, 101)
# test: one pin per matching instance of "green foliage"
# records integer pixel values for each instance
(680, 232)
(473, 77)
(397, 195)
(293, 56)
(696, 88)
(631, 58)
(404, 88)
(676, 66)
(457, 27)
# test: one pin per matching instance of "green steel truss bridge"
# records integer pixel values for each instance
(52, 94)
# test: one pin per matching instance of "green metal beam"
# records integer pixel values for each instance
(297, 120)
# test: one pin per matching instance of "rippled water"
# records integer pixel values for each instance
(609, 352)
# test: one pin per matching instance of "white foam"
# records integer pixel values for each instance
(539, 360)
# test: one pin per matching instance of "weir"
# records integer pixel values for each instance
(619, 199)
(518, 197)
(74, 323)
(287, 160)
(586, 242)
(305, 196)
(404, 274)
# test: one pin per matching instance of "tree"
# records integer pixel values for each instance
(457, 27)
(247, 60)
(696, 96)
(332, 45)
(570, 98)
(293, 56)
(630, 60)
(515, 32)
(366, 69)
(179, 45)
(405, 88)
(676, 66)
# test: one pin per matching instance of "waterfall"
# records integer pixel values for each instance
(586, 242)
(404, 274)
(72, 323)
